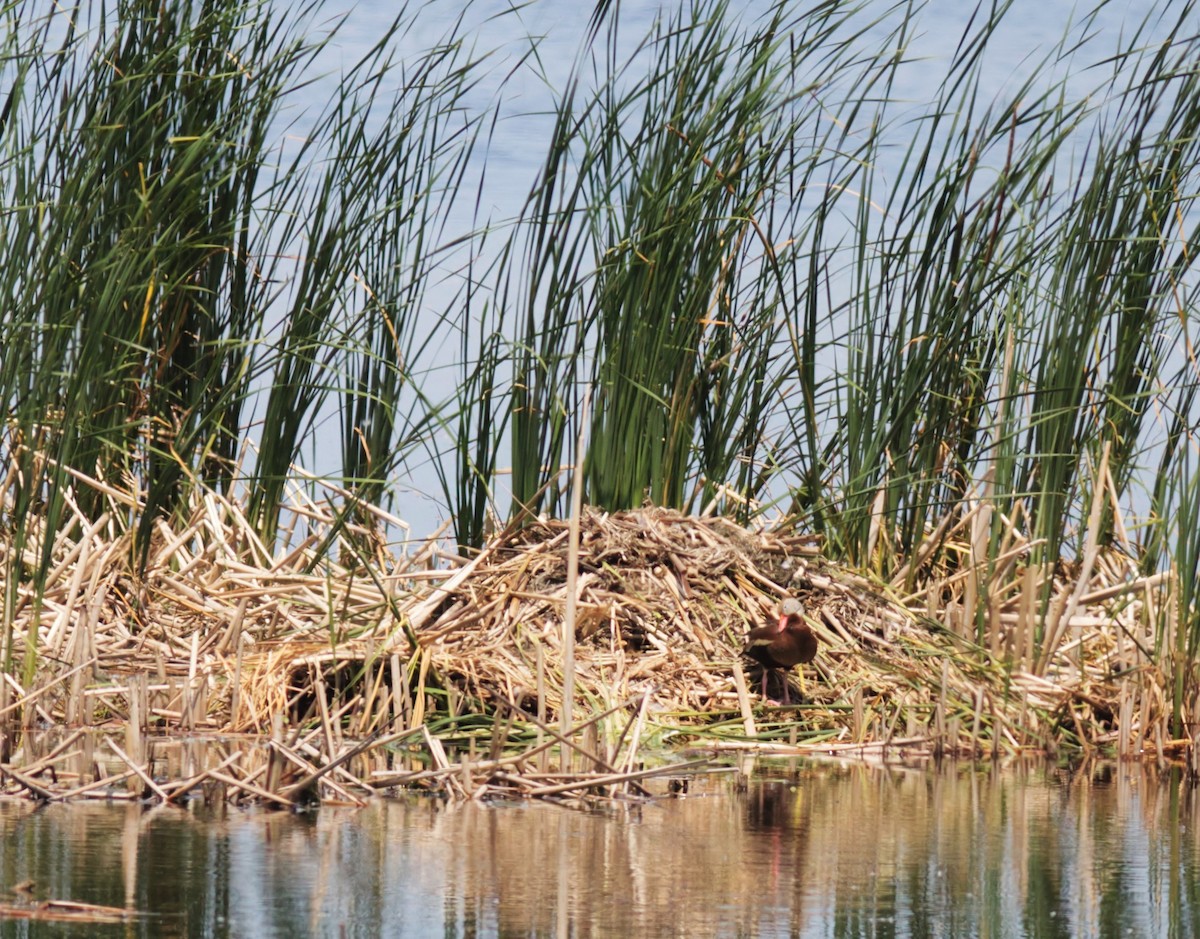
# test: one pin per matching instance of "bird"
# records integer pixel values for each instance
(784, 643)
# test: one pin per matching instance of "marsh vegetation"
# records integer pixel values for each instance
(934, 359)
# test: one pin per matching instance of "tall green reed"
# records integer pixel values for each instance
(650, 267)
(390, 151)
(1016, 285)
(899, 313)
(175, 252)
(132, 148)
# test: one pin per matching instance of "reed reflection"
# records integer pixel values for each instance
(805, 850)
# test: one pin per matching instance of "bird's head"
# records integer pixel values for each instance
(789, 609)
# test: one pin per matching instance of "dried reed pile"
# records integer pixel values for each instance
(382, 669)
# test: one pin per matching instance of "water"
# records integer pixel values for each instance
(808, 849)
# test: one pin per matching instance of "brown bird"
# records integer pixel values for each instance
(787, 642)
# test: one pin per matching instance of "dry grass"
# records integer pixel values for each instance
(386, 669)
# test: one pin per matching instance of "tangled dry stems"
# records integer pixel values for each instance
(219, 634)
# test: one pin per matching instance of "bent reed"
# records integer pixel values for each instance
(776, 332)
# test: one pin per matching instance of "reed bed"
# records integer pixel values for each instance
(933, 368)
(314, 679)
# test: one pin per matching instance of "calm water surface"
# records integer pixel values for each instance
(806, 850)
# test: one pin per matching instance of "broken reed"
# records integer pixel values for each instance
(959, 367)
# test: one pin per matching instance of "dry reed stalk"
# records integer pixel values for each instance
(567, 696)
(139, 771)
(181, 788)
(314, 774)
(56, 755)
(38, 792)
(1059, 622)
(319, 688)
(661, 603)
(107, 782)
(635, 739)
(251, 789)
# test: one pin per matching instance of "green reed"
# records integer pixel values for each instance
(193, 255)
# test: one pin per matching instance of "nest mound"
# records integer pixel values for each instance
(663, 605)
(217, 633)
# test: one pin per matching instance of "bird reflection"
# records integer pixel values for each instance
(778, 813)
(773, 805)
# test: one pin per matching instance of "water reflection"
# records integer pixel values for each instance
(805, 850)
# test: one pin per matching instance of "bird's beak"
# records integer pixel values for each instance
(783, 621)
